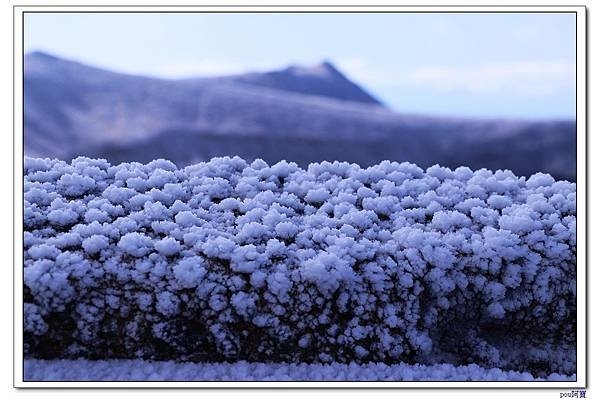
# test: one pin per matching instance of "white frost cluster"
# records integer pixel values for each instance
(141, 370)
(336, 263)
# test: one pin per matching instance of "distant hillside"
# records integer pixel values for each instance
(300, 114)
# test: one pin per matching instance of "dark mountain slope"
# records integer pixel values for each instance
(321, 80)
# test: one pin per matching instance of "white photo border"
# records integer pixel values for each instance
(582, 182)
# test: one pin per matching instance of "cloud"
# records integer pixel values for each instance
(207, 68)
(520, 78)
(528, 78)
(193, 68)
(359, 70)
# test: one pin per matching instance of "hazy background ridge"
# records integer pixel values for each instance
(297, 113)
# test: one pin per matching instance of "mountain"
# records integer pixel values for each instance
(301, 114)
(320, 80)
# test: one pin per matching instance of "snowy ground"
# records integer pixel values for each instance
(139, 370)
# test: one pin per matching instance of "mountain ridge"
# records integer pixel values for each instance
(74, 109)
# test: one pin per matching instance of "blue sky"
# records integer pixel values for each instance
(482, 65)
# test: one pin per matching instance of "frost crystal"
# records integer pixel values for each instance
(336, 263)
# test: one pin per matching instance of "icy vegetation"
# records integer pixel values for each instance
(228, 261)
(141, 370)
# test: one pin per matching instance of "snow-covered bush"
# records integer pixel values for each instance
(227, 260)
